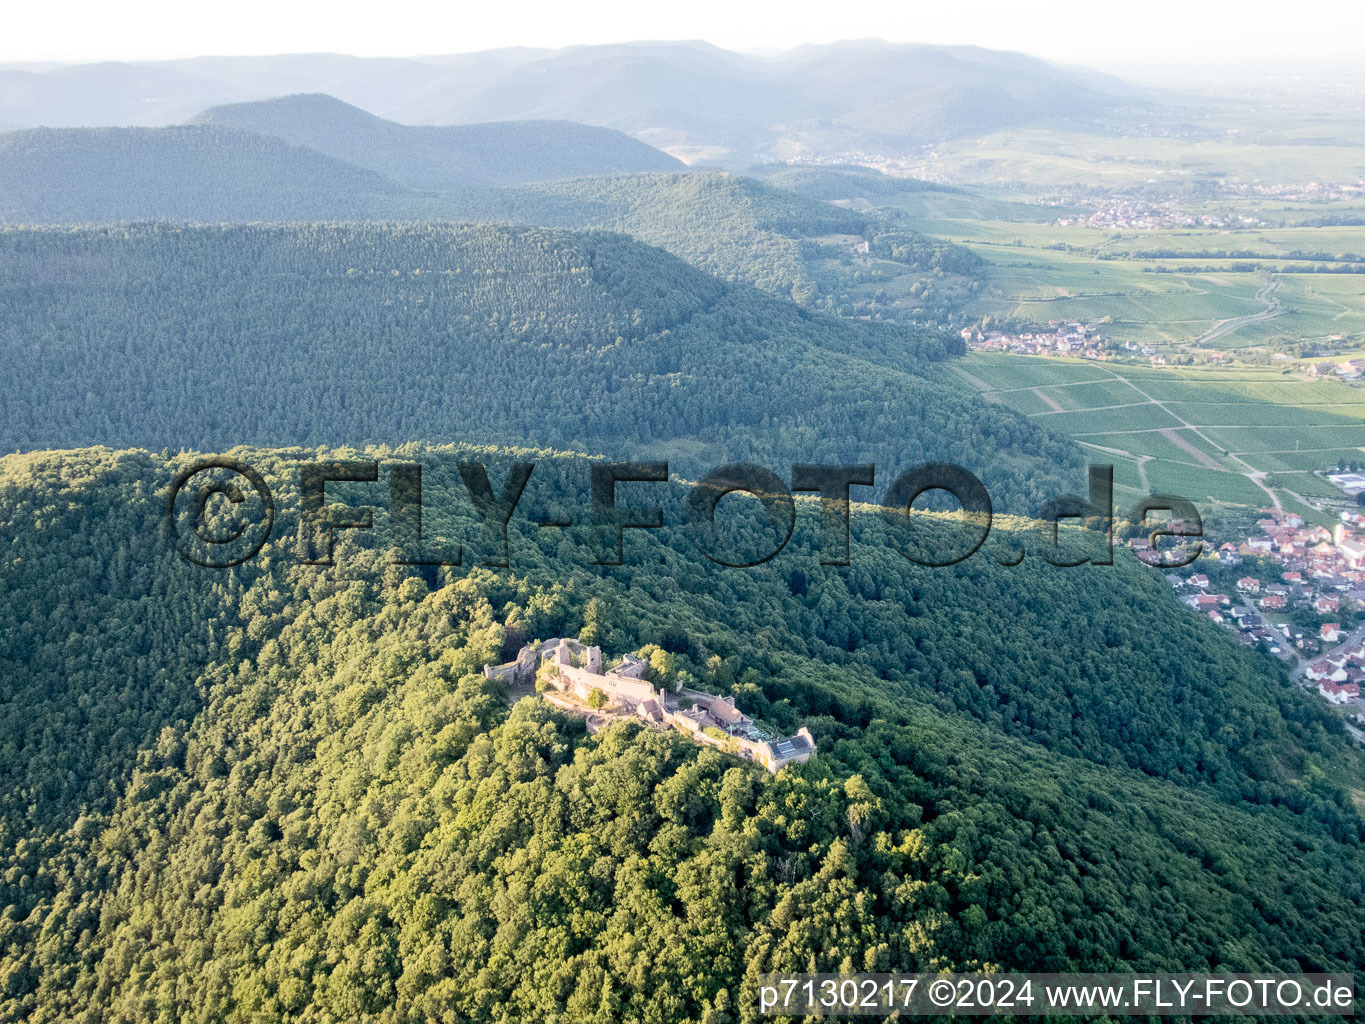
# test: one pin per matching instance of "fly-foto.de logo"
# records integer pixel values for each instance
(220, 512)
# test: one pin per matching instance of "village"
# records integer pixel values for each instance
(1075, 340)
(569, 674)
(1295, 589)
(1142, 215)
(1062, 338)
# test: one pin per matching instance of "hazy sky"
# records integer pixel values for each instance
(1124, 35)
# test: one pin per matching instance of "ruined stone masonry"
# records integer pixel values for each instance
(568, 666)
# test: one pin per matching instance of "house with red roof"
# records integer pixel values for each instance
(1325, 671)
(1339, 693)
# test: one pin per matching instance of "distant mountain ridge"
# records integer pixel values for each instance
(295, 158)
(188, 173)
(446, 157)
(814, 100)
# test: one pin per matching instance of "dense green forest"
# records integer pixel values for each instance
(447, 157)
(215, 336)
(284, 792)
(734, 227)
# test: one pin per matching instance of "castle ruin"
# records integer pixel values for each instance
(572, 668)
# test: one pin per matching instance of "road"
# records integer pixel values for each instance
(1266, 297)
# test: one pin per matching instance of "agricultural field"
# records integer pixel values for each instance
(1223, 150)
(1237, 438)
(1036, 284)
(1279, 196)
(1190, 305)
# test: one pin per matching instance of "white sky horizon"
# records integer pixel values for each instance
(1159, 36)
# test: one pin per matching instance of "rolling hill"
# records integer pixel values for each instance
(105, 94)
(816, 99)
(287, 791)
(842, 182)
(453, 157)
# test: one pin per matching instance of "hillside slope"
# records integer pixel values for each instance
(842, 181)
(451, 157)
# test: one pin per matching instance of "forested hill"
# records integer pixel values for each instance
(443, 157)
(216, 336)
(842, 181)
(287, 793)
(744, 230)
(196, 173)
